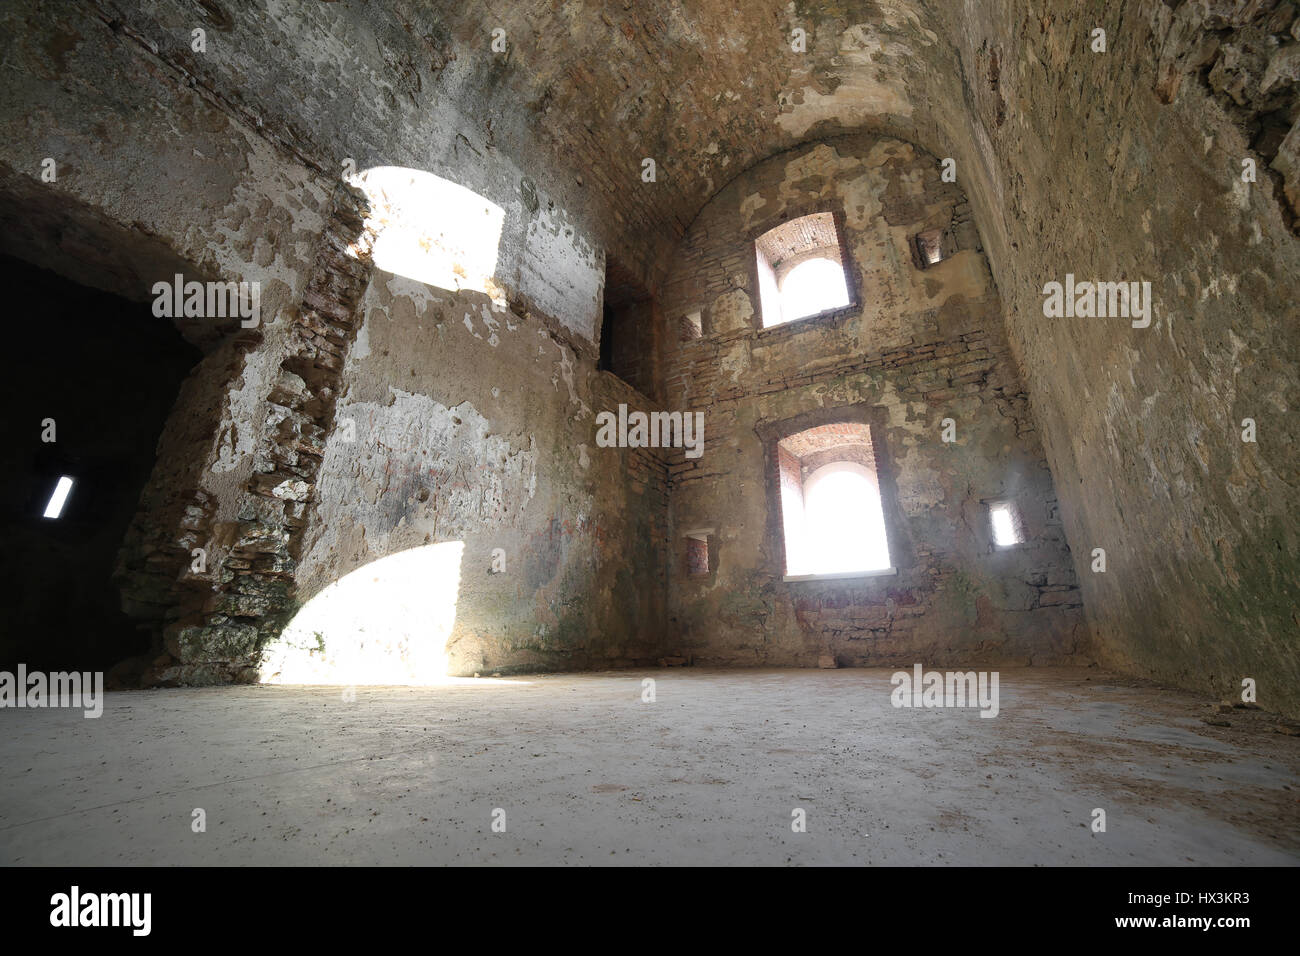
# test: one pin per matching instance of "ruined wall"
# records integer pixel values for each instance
(1128, 164)
(1123, 164)
(154, 176)
(475, 426)
(244, 146)
(921, 347)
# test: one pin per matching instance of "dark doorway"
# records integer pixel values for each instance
(628, 344)
(107, 372)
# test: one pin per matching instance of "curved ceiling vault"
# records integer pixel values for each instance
(706, 89)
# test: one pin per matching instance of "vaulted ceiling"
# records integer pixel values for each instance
(705, 89)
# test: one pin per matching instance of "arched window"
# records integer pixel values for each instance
(802, 270)
(832, 512)
(844, 524)
(813, 286)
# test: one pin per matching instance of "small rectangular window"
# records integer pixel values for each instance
(692, 326)
(1005, 520)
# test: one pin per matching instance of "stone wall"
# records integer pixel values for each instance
(247, 173)
(476, 426)
(1125, 163)
(921, 347)
(1128, 164)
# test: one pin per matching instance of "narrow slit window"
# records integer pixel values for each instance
(1005, 520)
(59, 498)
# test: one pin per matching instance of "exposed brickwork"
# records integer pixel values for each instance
(1122, 164)
(791, 243)
(250, 589)
(921, 348)
(825, 437)
(697, 556)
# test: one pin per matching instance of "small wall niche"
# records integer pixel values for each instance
(700, 553)
(931, 247)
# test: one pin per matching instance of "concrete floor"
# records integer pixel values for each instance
(708, 773)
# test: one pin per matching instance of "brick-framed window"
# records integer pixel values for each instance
(802, 269)
(831, 511)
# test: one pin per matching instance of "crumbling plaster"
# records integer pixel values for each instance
(1123, 164)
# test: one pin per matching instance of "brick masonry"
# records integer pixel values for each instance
(923, 346)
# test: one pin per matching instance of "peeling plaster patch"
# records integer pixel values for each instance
(563, 273)
(732, 310)
(750, 205)
(566, 373)
(823, 161)
(736, 362)
(1212, 288)
(583, 461)
(245, 251)
(236, 439)
(860, 97)
(905, 16)
(417, 292)
(1241, 194)
(492, 325)
(861, 205)
(361, 345)
(920, 487)
(428, 471)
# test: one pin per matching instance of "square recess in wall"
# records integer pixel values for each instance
(929, 248)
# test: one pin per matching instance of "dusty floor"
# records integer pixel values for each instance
(708, 773)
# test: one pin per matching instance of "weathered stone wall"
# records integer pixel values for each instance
(1128, 164)
(246, 170)
(923, 346)
(157, 176)
(477, 427)
(1123, 164)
